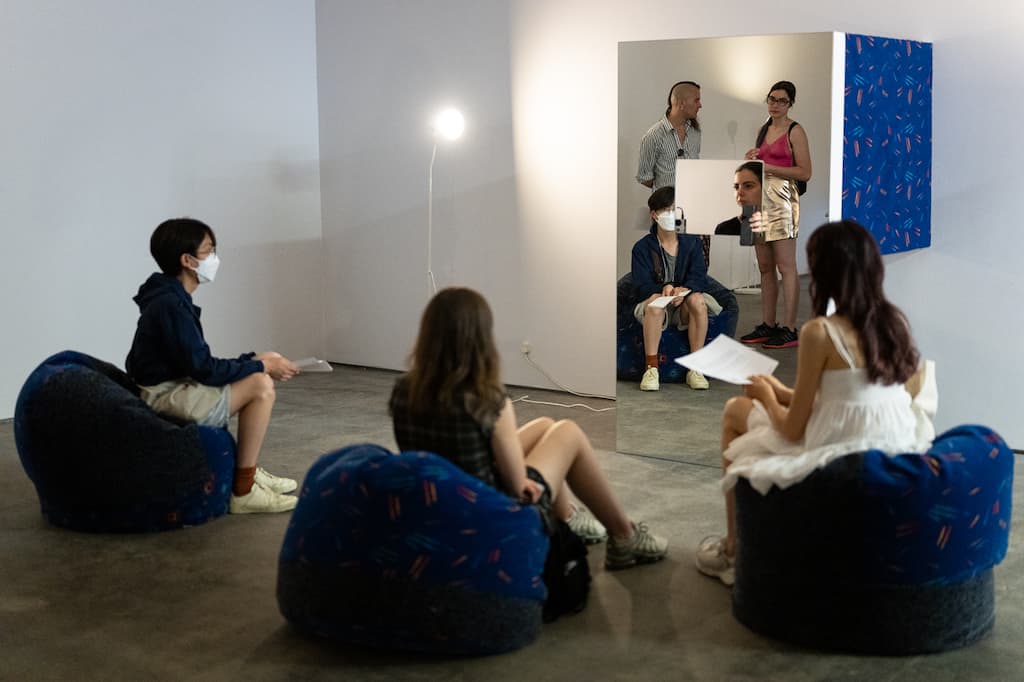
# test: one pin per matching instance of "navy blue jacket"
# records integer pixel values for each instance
(649, 262)
(169, 341)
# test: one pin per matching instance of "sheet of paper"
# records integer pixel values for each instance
(663, 301)
(314, 365)
(726, 359)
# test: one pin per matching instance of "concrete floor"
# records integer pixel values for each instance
(198, 604)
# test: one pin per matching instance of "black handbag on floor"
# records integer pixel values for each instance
(566, 573)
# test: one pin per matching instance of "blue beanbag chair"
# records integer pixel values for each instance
(878, 554)
(631, 361)
(409, 552)
(103, 461)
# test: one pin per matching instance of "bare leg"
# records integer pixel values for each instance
(784, 251)
(530, 434)
(654, 320)
(769, 282)
(252, 399)
(697, 313)
(564, 455)
(734, 423)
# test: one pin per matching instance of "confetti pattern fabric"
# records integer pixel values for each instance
(878, 553)
(466, 560)
(887, 140)
(80, 427)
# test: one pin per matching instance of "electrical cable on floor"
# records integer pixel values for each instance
(526, 399)
(564, 388)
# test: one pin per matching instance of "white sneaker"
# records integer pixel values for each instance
(696, 381)
(261, 500)
(713, 561)
(650, 381)
(584, 524)
(278, 484)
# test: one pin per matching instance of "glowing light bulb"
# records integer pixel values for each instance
(450, 124)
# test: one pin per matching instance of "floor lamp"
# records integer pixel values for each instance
(448, 125)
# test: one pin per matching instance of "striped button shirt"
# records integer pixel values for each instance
(659, 149)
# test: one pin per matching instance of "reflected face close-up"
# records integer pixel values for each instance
(748, 188)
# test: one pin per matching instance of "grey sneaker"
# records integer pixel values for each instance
(713, 561)
(584, 524)
(278, 484)
(642, 548)
(261, 500)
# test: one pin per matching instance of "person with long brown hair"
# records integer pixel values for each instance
(452, 402)
(858, 386)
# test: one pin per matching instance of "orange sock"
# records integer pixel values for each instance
(244, 479)
(652, 360)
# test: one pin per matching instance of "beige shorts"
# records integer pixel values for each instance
(677, 315)
(191, 401)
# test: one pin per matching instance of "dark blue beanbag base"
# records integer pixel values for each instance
(408, 552)
(103, 461)
(877, 554)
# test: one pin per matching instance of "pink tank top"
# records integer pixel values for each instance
(777, 153)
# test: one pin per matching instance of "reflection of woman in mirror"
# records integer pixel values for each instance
(858, 386)
(452, 402)
(747, 185)
(782, 145)
(667, 263)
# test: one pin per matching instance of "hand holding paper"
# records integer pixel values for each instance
(728, 360)
(313, 365)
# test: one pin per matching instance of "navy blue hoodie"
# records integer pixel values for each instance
(649, 275)
(169, 341)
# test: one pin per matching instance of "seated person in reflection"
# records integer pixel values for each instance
(858, 387)
(179, 376)
(747, 185)
(667, 263)
(452, 402)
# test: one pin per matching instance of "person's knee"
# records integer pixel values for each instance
(263, 387)
(567, 428)
(736, 409)
(696, 305)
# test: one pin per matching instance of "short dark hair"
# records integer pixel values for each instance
(664, 197)
(176, 236)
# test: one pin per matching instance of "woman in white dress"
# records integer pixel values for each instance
(857, 386)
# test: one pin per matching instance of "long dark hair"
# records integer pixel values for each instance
(847, 267)
(455, 365)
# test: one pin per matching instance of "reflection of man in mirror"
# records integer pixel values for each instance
(676, 136)
(666, 263)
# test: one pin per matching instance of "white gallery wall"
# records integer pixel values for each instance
(119, 114)
(553, 216)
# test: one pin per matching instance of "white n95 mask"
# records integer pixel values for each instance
(667, 220)
(207, 268)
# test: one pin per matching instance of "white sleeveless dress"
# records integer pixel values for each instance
(850, 414)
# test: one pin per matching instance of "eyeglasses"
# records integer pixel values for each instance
(201, 252)
(784, 102)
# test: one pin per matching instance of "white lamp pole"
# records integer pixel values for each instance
(449, 124)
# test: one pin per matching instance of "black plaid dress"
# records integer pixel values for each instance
(457, 437)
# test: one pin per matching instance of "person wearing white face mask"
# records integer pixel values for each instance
(179, 376)
(667, 263)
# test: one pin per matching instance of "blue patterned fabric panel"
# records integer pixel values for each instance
(942, 516)
(415, 516)
(887, 140)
